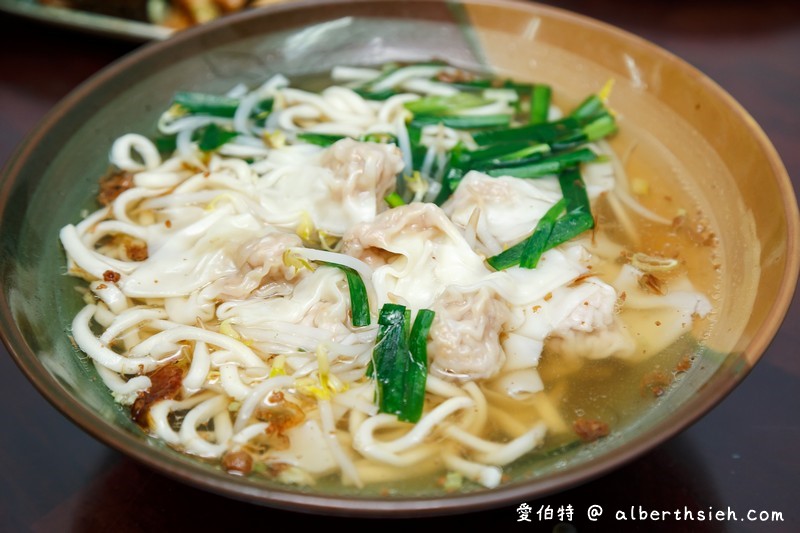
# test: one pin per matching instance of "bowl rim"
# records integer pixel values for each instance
(227, 485)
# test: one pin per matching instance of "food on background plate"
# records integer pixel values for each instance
(407, 273)
(175, 14)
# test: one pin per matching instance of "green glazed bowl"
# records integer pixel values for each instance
(53, 177)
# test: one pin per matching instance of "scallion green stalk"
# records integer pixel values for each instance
(463, 122)
(320, 139)
(400, 361)
(592, 105)
(536, 244)
(417, 373)
(394, 200)
(213, 137)
(577, 219)
(359, 302)
(540, 103)
(445, 105)
(546, 166)
(216, 105)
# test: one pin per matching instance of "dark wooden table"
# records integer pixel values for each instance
(744, 455)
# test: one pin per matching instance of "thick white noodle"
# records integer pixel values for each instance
(231, 382)
(122, 204)
(103, 315)
(128, 319)
(187, 148)
(250, 432)
(404, 143)
(110, 294)
(480, 414)
(358, 399)
(191, 124)
(157, 179)
(159, 415)
(372, 472)
(258, 393)
(124, 146)
(348, 469)
(363, 269)
(402, 75)
(241, 118)
(111, 227)
(393, 108)
(440, 387)
(202, 413)
(495, 453)
(506, 422)
(125, 392)
(190, 333)
(345, 73)
(237, 91)
(91, 345)
(367, 444)
(86, 259)
(91, 221)
(198, 369)
(488, 476)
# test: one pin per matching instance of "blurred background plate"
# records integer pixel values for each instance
(100, 23)
(87, 22)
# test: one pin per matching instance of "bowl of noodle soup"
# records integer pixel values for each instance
(371, 257)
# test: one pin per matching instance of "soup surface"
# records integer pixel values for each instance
(406, 274)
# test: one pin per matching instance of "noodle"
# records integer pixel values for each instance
(240, 283)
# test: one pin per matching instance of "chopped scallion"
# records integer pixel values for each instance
(590, 107)
(550, 165)
(216, 105)
(602, 126)
(381, 138)
(394, 200)
(540, 103)
(320, 139)
(400, 361)
(536, 244)
(445, 105)
(417, 374)
(577, 219)
(494, 151)
(492, 83)
(375, 95)
(574, 190)
(212, 137)
(541, 133)
(359, 303)
(463, 122)
(206, 104)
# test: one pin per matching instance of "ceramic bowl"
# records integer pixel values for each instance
(703, 136)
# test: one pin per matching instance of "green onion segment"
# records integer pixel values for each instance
(576, 219)
(359, 303)
(394, 200)
(400, 361)
(212, 137)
